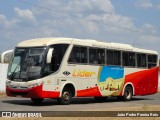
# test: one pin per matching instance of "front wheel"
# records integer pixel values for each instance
(37, 100)
(66, 97)
(128, 92)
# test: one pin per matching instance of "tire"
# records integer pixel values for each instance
(100, 99)
(66, 97)
(37, 100)
(128, 92)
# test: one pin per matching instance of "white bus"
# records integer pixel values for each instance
(63, 68)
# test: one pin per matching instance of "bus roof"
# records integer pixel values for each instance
(85, 42)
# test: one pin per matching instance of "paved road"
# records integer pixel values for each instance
(78, 104)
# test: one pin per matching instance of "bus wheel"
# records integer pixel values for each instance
(128, 92)
(66, 97)
(37, 100)
(100, 99)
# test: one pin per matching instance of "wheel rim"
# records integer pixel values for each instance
(128, 94)
(66, 96)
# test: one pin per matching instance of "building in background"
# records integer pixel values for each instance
(6, 56)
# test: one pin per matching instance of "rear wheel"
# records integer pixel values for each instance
(37, 100)
(128, 92)
(66, 97)
(100, 99)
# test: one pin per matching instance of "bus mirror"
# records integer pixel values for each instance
(49, 55)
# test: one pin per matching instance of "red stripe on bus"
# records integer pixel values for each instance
(89, 92)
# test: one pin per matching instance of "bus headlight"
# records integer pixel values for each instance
(8, 83)
(35, 84)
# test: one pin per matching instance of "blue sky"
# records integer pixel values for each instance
(20, 21)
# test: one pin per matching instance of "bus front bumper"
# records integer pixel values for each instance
(34, 92)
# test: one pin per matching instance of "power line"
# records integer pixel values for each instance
(75, 16)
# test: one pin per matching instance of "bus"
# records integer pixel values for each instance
(63, 68)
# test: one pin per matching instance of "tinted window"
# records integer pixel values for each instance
(128, 59)
(78, 55)
(152, 58)
(152, 61)
(96, 56)
(117, 57)
(93, 56)
(113, 57)
(83, 55)
(141, 60)
(101, 56)
(57, 56)
(110, 57)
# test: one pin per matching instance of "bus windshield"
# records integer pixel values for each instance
(26, 64)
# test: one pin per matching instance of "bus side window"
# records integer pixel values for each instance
(57, 56)
(132, 60)
(110, 57)
(84, 56)
(141, 60)
(152, 61)
(117, 58)
(75, 55)
(125, 58)
(101, 56)
(78, 55)
(129, 59)
(93, 56)
(113, 57)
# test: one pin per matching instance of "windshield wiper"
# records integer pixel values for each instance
(14, 72)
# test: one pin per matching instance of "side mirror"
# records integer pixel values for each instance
(49, 55)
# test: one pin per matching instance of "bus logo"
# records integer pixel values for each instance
(66, 73)
(82, 73)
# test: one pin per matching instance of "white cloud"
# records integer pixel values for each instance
(144, 4)
(103, 5)
(76, 6)
(24, 17)
(149, 28)
(4, 22)
(25, 14)
(119, 21)
(150, 39)
(38, 22)
(158, 6)
(150, 42)
(88, 10)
